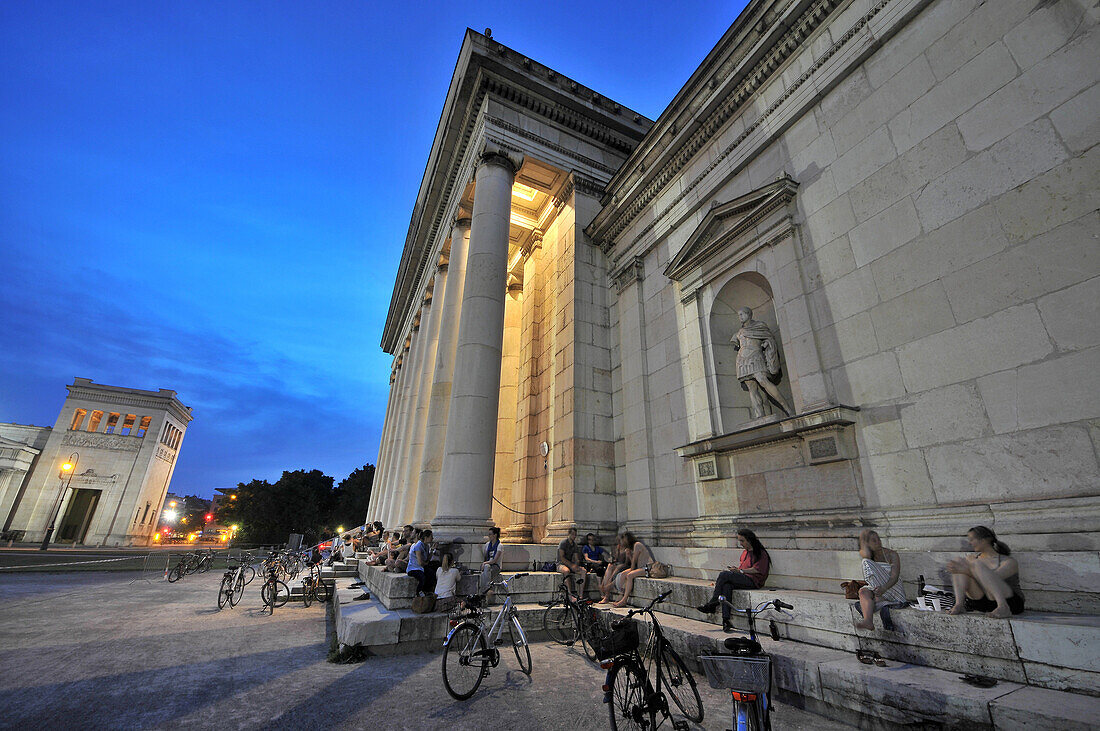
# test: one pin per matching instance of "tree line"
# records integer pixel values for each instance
(298, 502)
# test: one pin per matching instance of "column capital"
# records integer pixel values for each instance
(493, 153)
(461, 222)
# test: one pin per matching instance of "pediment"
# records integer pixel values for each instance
(725, 222)
(13, 444)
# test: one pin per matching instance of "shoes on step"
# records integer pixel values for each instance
(708, 608)
(727, 626)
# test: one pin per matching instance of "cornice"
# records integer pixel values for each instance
(620, 214)
(161, 403)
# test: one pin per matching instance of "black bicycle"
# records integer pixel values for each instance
(567, 620)
(273, 593)
(313, 587)
(640, 682)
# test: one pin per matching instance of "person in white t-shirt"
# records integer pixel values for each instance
(446, 581)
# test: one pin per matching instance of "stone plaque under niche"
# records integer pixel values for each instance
(808, 462)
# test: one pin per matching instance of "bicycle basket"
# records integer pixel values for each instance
(622, 639)
(748, 674)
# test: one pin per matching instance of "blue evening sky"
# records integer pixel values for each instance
(212, 197)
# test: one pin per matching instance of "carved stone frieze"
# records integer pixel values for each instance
(91, 440)
(165, 454)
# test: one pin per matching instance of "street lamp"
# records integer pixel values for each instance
(66, 477)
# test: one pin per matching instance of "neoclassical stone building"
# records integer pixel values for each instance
(125, 441)
(904, 192)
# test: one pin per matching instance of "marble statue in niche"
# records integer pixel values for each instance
(757, 363)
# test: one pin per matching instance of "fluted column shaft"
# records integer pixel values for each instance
(386, 460)
(387, 427)
(423, 396)
(464, 506)
(401, 438)
(435, 434)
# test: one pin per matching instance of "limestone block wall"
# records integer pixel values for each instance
(946, 249)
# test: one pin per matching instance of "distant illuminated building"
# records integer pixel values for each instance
(127, 441)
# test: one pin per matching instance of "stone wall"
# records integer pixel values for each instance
(945, 249)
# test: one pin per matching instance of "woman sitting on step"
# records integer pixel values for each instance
(751, 573)
(640, 558)
(882, 571)
(987, 580)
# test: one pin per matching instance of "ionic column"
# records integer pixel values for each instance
(506, 413)
(435, 434)
(464, 506)
(387, 427)
(386, 460)
(401, 436)
(423, 396)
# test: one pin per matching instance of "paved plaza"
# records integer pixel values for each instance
(98, 650)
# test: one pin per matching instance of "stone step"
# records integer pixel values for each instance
(1060, 652)
(834, 683)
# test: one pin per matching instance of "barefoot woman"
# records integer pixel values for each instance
(987, 580)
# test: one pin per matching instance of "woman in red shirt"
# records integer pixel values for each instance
(751, 573)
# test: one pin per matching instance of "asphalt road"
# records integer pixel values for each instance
(101, 650)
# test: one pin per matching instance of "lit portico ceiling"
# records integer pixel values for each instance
(565, 132)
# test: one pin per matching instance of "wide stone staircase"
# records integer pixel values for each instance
(1046, 664)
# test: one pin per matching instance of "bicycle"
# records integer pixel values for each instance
(470, 649)
(232, 586)
(566, 620)
(747, 672)
(313, 587)
(186, 565)
(634, 700)
(273, 593)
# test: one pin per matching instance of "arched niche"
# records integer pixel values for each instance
(749, 289)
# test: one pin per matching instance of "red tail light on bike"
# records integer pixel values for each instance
(606, 688)
(607, 665)
(743, 697)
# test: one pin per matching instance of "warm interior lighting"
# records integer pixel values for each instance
(521, 191)
(518, 219)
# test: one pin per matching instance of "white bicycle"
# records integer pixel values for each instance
(470, 649)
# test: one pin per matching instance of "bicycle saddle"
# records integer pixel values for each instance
(743, 646)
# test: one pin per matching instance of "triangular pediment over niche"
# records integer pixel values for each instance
(725, 222)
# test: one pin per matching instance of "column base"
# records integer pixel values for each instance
(518, 533)
(460, 529)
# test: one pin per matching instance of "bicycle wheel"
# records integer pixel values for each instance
(238, 590)
(174, 574)
(275, 593)
(465, 661)
(592, 630)
(748, 716)
(307, 594)
(520, 646)
(560, 622)
(324, 592)
(204, 565)
(680, 684)
(628, 707)
(225, 591)
(250, 573)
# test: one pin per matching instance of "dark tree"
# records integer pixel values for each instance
(353, 497)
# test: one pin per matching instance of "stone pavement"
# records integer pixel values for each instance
(98, 650)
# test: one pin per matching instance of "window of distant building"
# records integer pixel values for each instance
(143, 427)
(78, 418)
(112, 422)
(93, 423)
(128, 424)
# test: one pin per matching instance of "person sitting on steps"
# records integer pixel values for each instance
(751, 573)
(569, 562)
(989, 579)
(882, 569)
(620, 560)
(494, 559)
(640, 559)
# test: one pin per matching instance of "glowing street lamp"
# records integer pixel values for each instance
(66, 477)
